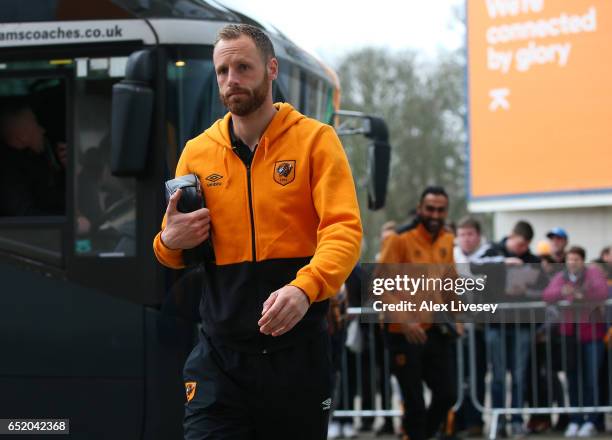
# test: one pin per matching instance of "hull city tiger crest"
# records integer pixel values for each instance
(284, 172)
(190, 388)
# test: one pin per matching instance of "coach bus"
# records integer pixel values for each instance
(92, 328)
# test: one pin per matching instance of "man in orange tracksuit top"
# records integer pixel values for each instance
(284, 222)
(422, 351)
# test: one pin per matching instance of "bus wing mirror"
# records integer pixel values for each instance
(132, 112)
(348, 123)
(379, 159)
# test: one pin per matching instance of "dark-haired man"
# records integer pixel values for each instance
(422, 351)
(286, 232)
(515, 246)
(509, 345)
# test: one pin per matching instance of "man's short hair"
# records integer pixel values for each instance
(523, 229)
(261, 40)
(578, 251)
(469, 222)
(435, 190)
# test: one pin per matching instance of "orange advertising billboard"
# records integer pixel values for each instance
(540, 97)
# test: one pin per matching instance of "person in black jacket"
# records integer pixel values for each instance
(508, 344)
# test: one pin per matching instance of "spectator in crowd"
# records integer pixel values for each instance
(387, 229)
(554, 259)
(508, 344)
(32, 170)
(605, 263)
(558, 242)
(422, 352)
(471, 251)
(468, 243)
(515, 247)
(469, 257)
(585, 288)
(552, 254)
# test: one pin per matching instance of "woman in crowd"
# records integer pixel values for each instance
(584, 287)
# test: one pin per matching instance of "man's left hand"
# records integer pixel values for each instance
(283, 310)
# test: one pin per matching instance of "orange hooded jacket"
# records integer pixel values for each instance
(430, 257)
(290, 218)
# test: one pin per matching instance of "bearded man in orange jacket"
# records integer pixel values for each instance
(422, 350)
(284, 222)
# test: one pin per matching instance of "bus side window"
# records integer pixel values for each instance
(32, 166)
(105, 205)
(33, 158)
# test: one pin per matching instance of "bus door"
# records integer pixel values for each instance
(75, 260)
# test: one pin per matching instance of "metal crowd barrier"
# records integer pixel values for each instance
(379, 375)
(548, 355)
(556, 352)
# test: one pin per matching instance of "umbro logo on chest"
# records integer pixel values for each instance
(213, 179)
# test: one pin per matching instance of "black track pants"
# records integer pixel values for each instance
(243, 396)
(431, 363)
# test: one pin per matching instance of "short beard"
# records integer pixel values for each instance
(250, 103)
(429, 226)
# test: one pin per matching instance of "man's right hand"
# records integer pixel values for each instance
(184, 230)
(414, 333)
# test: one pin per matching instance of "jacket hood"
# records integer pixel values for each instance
(285, 117)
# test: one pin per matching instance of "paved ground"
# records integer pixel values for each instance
(601, 436)
(548, 436)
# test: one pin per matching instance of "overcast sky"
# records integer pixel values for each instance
(330, 28)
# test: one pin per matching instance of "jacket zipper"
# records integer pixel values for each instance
(261, 336)
(249, 189)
